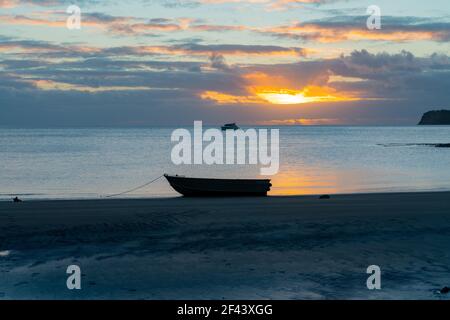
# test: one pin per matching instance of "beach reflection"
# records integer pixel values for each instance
(295, 183)
(316, 180)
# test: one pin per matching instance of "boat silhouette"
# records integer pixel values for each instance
(230, 126)
(210, 187)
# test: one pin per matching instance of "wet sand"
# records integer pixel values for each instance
(230, 248)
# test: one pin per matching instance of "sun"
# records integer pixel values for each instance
(257, 94)
(307, 95)
(284, 98)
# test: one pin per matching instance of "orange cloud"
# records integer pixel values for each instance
(122, 25)
(277, 96)
(16, 3)
(119, 25)
(306, 95)
(224, 98)
(331, 34)
(280, 90)
(56, 23)
(27, 21)
(8, 3)
(266, 89)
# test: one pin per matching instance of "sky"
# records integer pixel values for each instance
(255, 62)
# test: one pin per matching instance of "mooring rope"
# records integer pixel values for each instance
(134, 189)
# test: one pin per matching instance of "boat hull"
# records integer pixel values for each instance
(203, 187)
(230, 126)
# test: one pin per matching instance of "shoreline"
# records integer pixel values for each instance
(277, 247)
(276, 196)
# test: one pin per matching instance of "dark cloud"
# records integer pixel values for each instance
(239, 48)
(46, 49)
(218, 61)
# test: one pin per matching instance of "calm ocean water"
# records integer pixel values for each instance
(91, 163)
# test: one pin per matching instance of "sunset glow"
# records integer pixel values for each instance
(285, 97)
(307, 95)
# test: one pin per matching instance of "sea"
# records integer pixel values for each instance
(91, 163)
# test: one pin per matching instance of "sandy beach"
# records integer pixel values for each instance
(230, 248)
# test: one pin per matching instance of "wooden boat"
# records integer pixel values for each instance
(207, 187)
(230, 126)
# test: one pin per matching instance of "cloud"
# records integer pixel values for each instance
(274, 87)
(8, 3)
(227, 99)
(218, 61)
(48, 85)
(353, 28)
(45, 3)
(329, 30)
(196, 71)
(237, 49)
(121, 25)
(188, 49)
(58, 19)
(133, 28)
(127, 85)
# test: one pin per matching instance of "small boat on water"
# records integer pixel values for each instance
(208, 187)
(230, 126)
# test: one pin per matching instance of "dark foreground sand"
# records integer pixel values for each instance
(252, 248)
